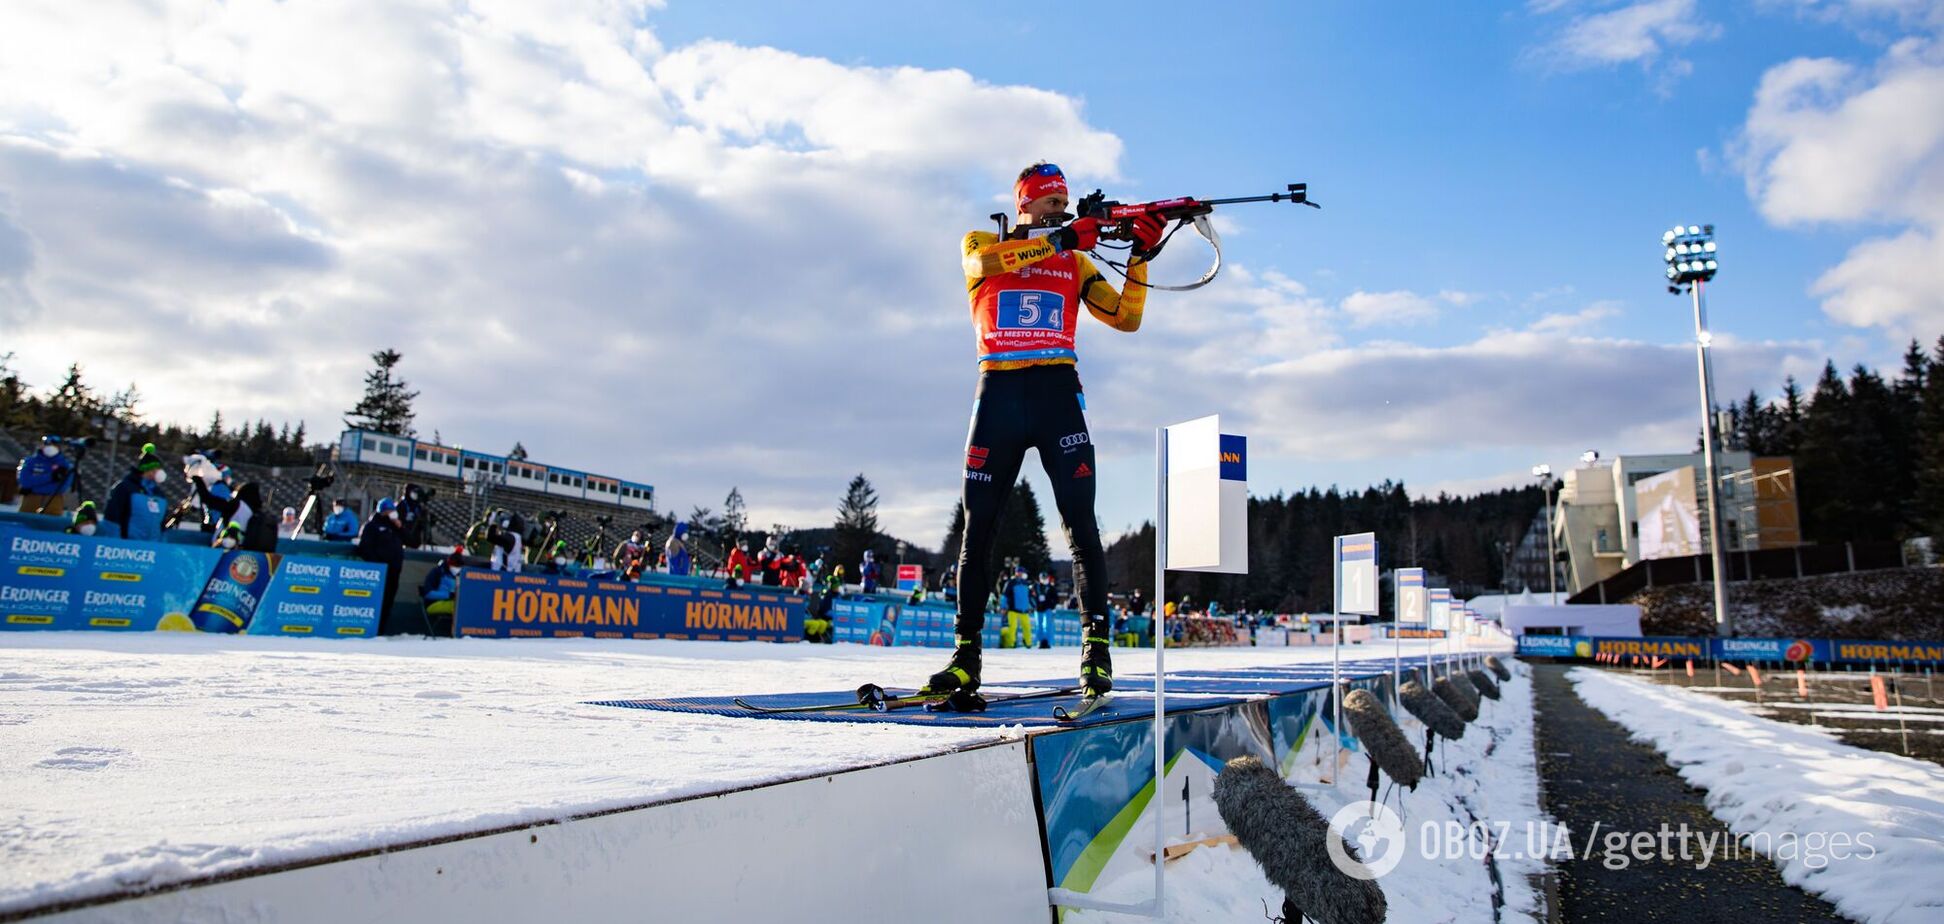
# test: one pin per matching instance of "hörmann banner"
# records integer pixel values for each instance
(496, 604)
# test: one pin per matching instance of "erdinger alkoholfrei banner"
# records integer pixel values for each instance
(55, 581)
(321, 597)
(496, 604)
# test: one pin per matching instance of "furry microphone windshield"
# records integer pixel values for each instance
(1483, 683)
(1498, 667)
(1381, 737)
(1465, 706)
(1287, 838)
(1431, 710)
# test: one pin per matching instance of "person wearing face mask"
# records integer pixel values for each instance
(560, 562)
(411, 516)
(679, 559)
(440, 591)
(380, 543)
(86, 521)
(136, 505)
(1027, 290)
(45, 479)
(341, 525)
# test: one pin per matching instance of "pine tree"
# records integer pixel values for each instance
(517, 454)
(1787, 437)
(857, 522)
(214, 438)
(1822, 480)
(387, 403)
(954, 535)
(1928, 446)
(1021, 535)
(735, 515)
(1878, 483)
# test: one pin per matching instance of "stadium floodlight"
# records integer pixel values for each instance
(1692, 259)
(1544, 472)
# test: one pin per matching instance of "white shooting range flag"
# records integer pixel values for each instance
(1413, 605)
(1356, 570)
(1208, 498)
(1440, 608)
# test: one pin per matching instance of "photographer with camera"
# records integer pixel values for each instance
(46, 477)
(631, 556)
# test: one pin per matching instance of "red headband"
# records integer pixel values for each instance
(1035, 185)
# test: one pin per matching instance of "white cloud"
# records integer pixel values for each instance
(1827, 141)
(1641, 32)
(1399, 307)
(1577, 321)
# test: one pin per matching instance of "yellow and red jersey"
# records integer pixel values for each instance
(1025, 299)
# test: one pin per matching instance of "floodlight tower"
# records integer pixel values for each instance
(1691, 264)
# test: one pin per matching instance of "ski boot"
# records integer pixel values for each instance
(959, 679)
(1096, 664)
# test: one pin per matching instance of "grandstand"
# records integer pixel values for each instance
(465, 484)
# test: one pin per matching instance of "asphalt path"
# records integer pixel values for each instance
(1603, 786)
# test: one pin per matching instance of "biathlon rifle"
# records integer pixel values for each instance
(1117, 223)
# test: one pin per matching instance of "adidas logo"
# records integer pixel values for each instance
(1084, 471)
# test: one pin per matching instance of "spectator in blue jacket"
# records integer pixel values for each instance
(1018, 603)
(136, 505)
(440, 590)
(45, 479)
(870, 572)
(341, 525)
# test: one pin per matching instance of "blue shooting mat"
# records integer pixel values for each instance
(1186, 692)
(1032, 713)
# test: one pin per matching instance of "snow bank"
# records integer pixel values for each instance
(1784, 784)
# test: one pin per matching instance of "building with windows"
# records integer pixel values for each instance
(1613, 514)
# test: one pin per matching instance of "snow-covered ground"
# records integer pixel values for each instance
(134, 760)
(1801, 792)
(1491, 776)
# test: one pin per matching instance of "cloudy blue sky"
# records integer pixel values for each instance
(713, 244)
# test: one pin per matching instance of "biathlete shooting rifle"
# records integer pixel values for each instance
(1117, 224)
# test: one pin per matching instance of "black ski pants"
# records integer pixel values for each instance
(1038, 407)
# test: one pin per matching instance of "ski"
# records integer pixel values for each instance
(1087, 705)
(872, 698)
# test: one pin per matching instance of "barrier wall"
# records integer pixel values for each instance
(53, 581)
(872, 621)
(829, 848)
(1797, 650)
(499, 604)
